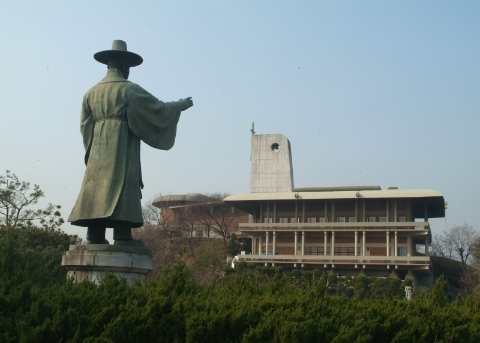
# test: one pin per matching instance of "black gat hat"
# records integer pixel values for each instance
(119, 50)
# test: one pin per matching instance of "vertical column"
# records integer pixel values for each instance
(303, 243)
(260, 245)
(363, 243)
(274, 246)
(332, 248)
(426, 246)
(266, 247)
(296, 243)
(356, 242)
(324, 243)
(396, 244)
(388, 244)
(253, 244)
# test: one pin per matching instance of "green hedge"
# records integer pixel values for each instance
(245, 307)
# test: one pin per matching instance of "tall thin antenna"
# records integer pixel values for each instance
(252, 130)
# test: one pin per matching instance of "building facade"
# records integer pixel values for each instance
(349, 230)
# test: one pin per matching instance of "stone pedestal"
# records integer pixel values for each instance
(94, 261)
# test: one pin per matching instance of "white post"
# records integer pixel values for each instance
(325, 243)
(396, 245)
(296, 243)
(303, 243)
(363, 243)
(356, 242)
(332, 251)
(388, 245)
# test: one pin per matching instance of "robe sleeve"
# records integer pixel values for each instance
(86, 127)
(152, 120)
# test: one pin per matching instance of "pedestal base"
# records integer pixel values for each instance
(94, 261)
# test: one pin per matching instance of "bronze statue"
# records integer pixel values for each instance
(116, 115)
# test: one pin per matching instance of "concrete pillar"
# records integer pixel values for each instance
(356, 242)
(396, 245)
(303, 243)
(296, 243)
(332, 248)
(260, 245)
(274, 246)
(388, 244)
(364, 238)
(324, 243)
(95, 261)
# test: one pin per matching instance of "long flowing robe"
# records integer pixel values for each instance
(116, 115)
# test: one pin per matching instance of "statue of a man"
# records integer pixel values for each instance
(116, 115)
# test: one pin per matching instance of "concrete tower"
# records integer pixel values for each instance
(270, 164)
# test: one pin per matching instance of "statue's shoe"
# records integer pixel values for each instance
(130, 242)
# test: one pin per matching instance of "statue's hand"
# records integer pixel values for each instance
(185, 103)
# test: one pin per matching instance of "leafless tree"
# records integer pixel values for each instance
(217, 216)
(188, 219)
(458, 243)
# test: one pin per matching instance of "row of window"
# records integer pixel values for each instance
(325, 219)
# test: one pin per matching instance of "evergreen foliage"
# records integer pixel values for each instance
(268, 305)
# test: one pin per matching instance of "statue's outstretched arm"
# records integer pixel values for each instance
(185, 103)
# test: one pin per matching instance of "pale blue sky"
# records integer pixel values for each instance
(368, 92)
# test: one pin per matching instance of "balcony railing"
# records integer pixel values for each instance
(333, 226)
(316, 259)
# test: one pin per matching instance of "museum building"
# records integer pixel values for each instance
(348, 230)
